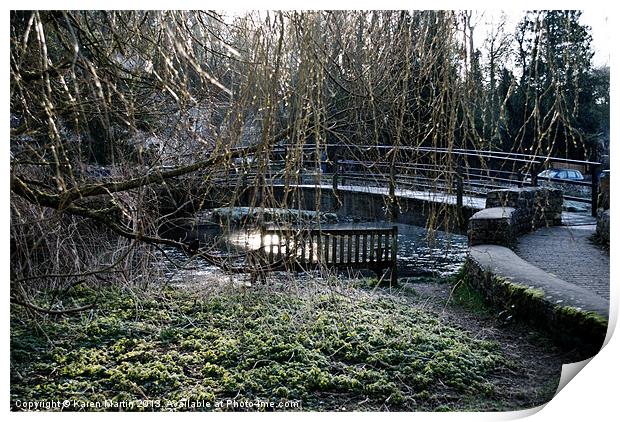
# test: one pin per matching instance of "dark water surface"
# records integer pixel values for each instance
(420, 252)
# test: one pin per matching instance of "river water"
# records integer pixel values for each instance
(420, 253)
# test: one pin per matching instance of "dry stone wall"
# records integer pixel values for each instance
(512, 212)
(602, 216)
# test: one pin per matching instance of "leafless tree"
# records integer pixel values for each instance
(113, 114)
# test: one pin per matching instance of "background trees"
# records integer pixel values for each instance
(555, 89)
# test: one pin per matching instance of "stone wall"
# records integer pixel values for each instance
(536, 206)
(603, 226)
(513, 212)
(575, 318)
(574, 329)
(497, 225)
(548, 204)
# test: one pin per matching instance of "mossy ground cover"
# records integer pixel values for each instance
(321, 347)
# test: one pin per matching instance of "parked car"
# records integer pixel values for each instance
(561, 174)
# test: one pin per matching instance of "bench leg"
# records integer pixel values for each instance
(384, 280)
(393, 277)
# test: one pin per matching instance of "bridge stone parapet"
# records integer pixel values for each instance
(537, 206)
(497, 225)
(513, 212)
(548, 204)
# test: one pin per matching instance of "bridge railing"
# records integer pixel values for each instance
(457, 172)
(466, 172)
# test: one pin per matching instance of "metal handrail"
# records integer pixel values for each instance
(384, 171)
(462, 151)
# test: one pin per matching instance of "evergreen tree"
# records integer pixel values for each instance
(554, 59)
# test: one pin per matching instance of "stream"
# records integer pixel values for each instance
(420, 253)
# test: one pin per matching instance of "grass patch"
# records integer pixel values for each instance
(465, 295)
(470, 298)
(326, 350)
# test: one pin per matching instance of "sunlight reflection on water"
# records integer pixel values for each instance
(418, 253)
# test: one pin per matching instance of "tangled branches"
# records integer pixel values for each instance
(114, 113)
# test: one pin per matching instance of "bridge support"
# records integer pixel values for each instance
(534, 170)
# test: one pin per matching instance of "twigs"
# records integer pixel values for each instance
(52, 311)
(122, 119)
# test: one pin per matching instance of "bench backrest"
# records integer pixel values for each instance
(371, 248)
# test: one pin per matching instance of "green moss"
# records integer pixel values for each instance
(323, 349)
(586, 317)
(519, 291)
(465, 295)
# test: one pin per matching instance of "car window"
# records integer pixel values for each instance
(562, 174)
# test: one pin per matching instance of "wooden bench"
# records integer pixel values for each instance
(361, 248)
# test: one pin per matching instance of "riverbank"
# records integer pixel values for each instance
(305, 344)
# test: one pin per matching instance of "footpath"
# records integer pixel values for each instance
(567, 252)
(554, 276)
